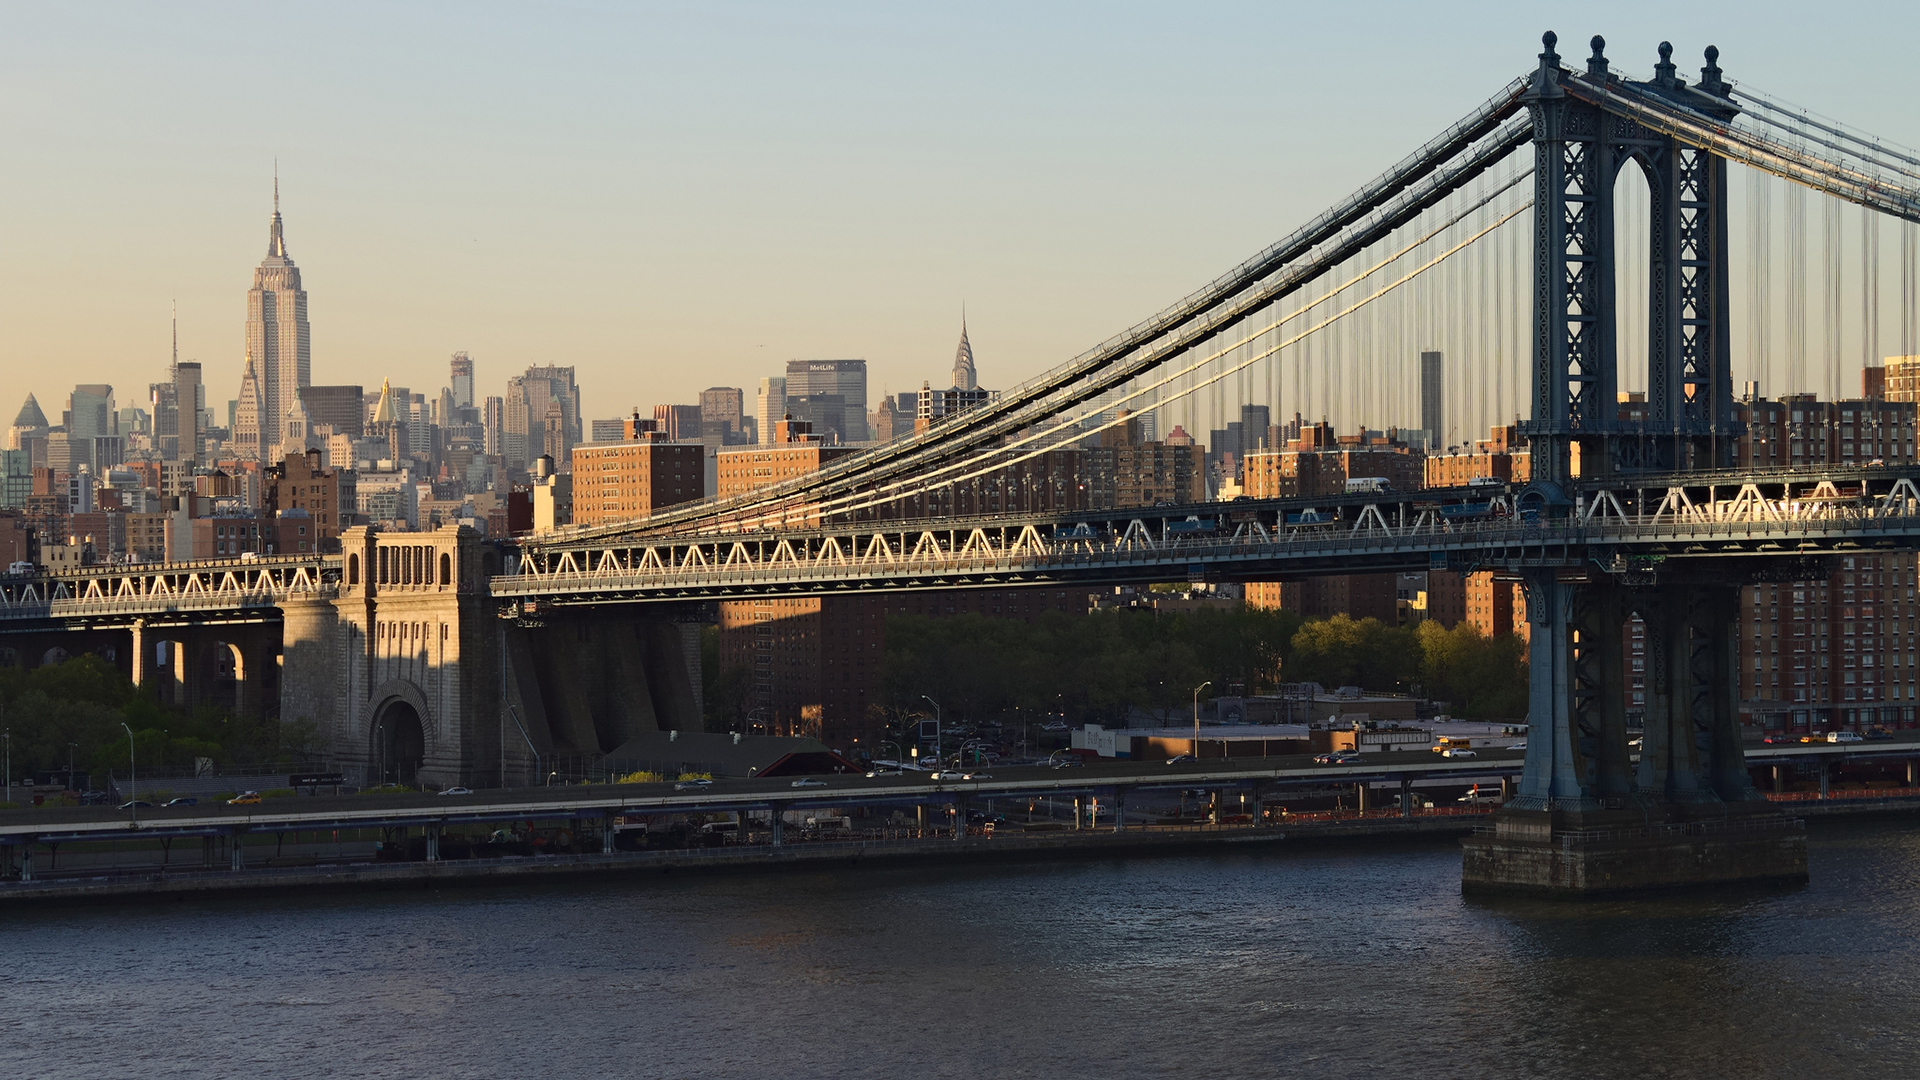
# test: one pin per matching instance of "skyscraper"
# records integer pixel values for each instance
(278, 340)
(190, 399)
(494, 418)
(770, 406)
(722, 415)
(832, 394)
(964, 376)
(1432, 404)
(245, 438)
(462, 384)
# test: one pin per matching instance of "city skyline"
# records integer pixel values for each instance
(844, 266)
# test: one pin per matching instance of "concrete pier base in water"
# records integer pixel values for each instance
(1631, 850)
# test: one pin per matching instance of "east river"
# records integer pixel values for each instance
(1298, 963)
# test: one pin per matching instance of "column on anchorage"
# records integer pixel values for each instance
(141, 656)
(1552, 776)
(1576, 740)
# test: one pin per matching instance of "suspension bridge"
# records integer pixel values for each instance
(1568, 241)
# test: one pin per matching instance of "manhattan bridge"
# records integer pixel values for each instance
(1572, 231)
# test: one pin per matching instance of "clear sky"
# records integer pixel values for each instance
(677, 195)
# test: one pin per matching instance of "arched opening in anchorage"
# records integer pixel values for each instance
(222, 668)
(399, 744)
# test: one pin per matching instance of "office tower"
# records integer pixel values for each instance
(190, 398)
(89, 419)
(1432, 402)
(832, 394)
(462, 382)
(28, 424)
(964, 376)
(722, 415)
(244, 442)
(770, 406)
(278, 339)
(494, 419)
(342, 408)
(526, 414)
(680, 423)
(517, 416)
(166, 420)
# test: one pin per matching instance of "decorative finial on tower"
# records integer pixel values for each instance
(1546, 79)
(1663, 71)
(1597, 63)
(1710, 80)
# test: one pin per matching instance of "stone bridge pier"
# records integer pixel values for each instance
(415, 675)
(1592, 815)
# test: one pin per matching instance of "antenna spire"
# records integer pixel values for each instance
(176, 334)
(276, 238)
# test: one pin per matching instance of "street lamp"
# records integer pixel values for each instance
(937, 748)
(1196, 718)
(133, 780)
(9, 738)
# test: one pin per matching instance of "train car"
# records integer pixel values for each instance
(1192, 526)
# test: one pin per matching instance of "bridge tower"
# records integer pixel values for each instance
(1588, 817)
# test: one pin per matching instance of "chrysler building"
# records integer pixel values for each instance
(277, 337)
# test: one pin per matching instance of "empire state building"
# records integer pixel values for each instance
(278, 340)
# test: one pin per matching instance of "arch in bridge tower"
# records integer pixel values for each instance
(398, 730)
(1579, 149)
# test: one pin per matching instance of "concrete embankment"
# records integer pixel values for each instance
(1008, 847)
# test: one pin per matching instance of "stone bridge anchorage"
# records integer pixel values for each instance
(394, 650)
(412, 674)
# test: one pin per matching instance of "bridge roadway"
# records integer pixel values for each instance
(1648, 518)
(1626, 523)
(599, 802)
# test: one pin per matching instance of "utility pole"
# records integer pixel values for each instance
(1196, 719)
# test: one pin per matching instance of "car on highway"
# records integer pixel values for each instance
(885, 772)
(1457, 752)
(1878, 733)
(808, 781)
(1068, 763)
(457, 791)
(1056, 725)
(1776, 739)
(1845, 736)
(136, 805)
(1813, 738)
(93, 798)
(1338, 757)
(976, 776)
(184, 800)
(1521, 745)
(693, 785)
(1181, 759)
(245, 798)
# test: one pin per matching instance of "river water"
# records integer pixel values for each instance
(1274, 962)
